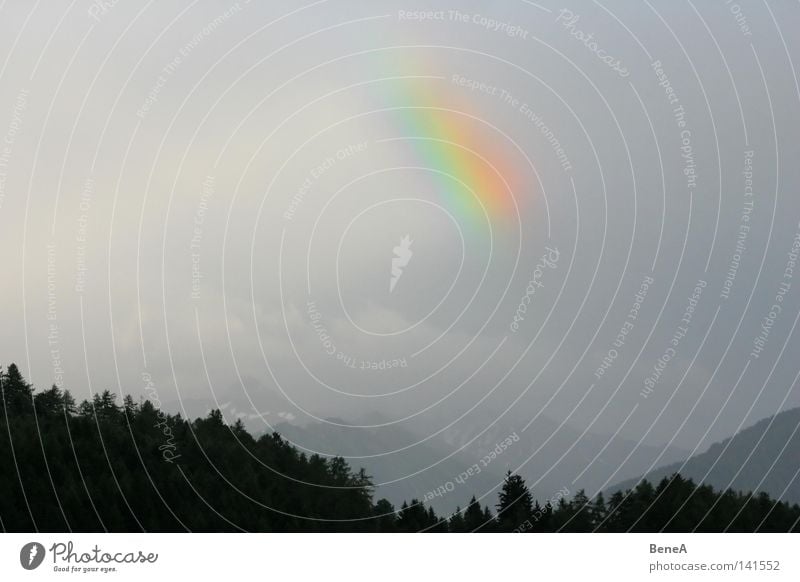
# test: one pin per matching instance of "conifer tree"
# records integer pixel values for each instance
(597, 513)
(17, 393)
(579, 517)
(515, 506)
(112, 468)
(457, 523)
(385, 517)
(474, 518)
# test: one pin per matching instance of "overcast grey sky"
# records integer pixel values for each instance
(211, 194)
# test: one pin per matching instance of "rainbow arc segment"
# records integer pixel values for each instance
(457, 147)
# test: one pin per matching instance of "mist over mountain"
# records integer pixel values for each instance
(463, 245)
(402, 464)
(249, 400)
(135, 467)
(458, 462)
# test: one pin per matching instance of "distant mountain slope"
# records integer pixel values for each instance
(564, 459)
(763, 457)
(554, 456)
(249, 400)
(415, 472)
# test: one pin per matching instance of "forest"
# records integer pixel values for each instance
(108, 466)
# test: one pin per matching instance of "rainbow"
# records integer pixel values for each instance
(454, 143)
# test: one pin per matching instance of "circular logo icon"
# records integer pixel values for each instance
(31, 555)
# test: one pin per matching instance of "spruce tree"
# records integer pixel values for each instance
(473, 516)
(515, 507)
(17, 393)
(597, 513)
(50, 401)
(457, 523)
(580, 514)
(385, 517)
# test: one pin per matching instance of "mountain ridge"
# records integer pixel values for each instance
(764, 457)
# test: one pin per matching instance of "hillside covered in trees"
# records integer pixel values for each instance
(105, 466)
(762, 457)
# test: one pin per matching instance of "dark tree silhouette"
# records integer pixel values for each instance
(17, 393)
(105, 467)
(456, 524)
(515, 507)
